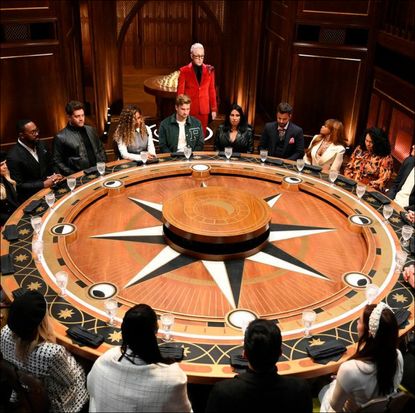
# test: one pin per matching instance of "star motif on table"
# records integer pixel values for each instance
(370, 199)
(399, 298)
(316, 342)
(34, 286)
(40, 209)
(62, 190)
(115, 336)
(66, 313)
(186, 351)
(21, 257)
(226, 274)
(24, 231)
(395, 220)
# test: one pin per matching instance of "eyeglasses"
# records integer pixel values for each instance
(33, 132)
(198, 56)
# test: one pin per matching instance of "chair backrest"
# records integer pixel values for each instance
(388, 404)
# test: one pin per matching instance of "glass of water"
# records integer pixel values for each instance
(101, 168)
(36, 222)
(62, 282)
(401, 257)
(167, 321)
(111, 307)
(228, 152)
(308, 318)
(387, 212)
(300, 164)
(71, 182)
(407, 231)
(37, 249)
(333, 174)
(50, 199)
(360, 190)
(371, 292)
(263, 154)
(144, 157)
(187, 152)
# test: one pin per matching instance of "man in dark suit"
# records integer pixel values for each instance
(197, 80)
(261, 388)
(29, 162)
(403, 189)
(282, 138)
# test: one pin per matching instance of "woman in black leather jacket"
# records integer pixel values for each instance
(235, 132)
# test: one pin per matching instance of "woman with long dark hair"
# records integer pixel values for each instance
(371, 162)
(376, 368)
(235, 132)
(134, 377)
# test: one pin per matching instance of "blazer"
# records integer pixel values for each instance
(404, 171)
(26, 171)
(332, 157)
(203, 95)
(293, 141)
(244, 141)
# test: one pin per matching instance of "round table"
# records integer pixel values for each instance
(321, 246)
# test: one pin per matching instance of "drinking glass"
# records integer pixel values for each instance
(62, 282)
(144, 157)
(407, 231)
(187, 152)
(167, 321)
(263, 154)
(333, 174)
(101, 168)
(50, 199)
(111, 307)
(37, 249)
(300, 164)
(36, 222)
(401, 257)
(371, 292)
(228, 152)
(309, 316)
(71, 182)
(360, 190)
(387, 212)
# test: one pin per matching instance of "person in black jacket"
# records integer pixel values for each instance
(235, 132)
(77, 146)
(30, 162)
(8, 195)
(282, 138)
(261, 388)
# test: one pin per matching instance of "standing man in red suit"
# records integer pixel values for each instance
(197, 81)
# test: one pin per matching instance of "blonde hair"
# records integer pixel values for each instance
(183, 100)
(126, 126)
(3, 191)
(44, 333)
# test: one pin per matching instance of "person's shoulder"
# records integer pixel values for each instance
(169, 119)
(296, 127)
(186, 68)
(14, 150)
(194, 121)
(209, 68)
(270, 125)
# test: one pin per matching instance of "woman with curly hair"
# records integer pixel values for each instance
(371, 162)
(376, 368)
(327, 148)
(133, 135)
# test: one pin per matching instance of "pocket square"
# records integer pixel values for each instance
(10, 233)
(291, 141)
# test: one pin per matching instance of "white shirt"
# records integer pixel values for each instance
(402, 197)
(182, 136)
(123, 386)
(122, 147)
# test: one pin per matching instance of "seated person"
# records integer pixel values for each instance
(235, 132)
(30, 162)
(327, 148)
(282, 138)
(133, 135)
(77, 146)
(371, 162)
(8, 195)
(261, 388)
(180, 129)
(134, 377)
(28, 342)
(376, 368)
(403, 188)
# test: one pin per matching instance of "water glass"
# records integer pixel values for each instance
(333, 174)
(308, 318)
(50, 199)
(37, 249)
(372, 291)
(36, 222)
(187, 152)
(387, 212)
(360, 190)
(300, 164)
(62, 282)
(167, 321)
(144, 157)
(101, 168)
(407, 231)
(228, 152)
(111, 307)
(71, 182)
(263, 154)
(401, 257)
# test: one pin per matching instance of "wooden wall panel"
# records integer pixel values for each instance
(401, 134)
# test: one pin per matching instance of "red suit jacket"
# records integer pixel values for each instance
(204, 95)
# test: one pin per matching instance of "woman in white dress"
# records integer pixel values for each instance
(376, 368)
(327, 148)
(133, 135)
